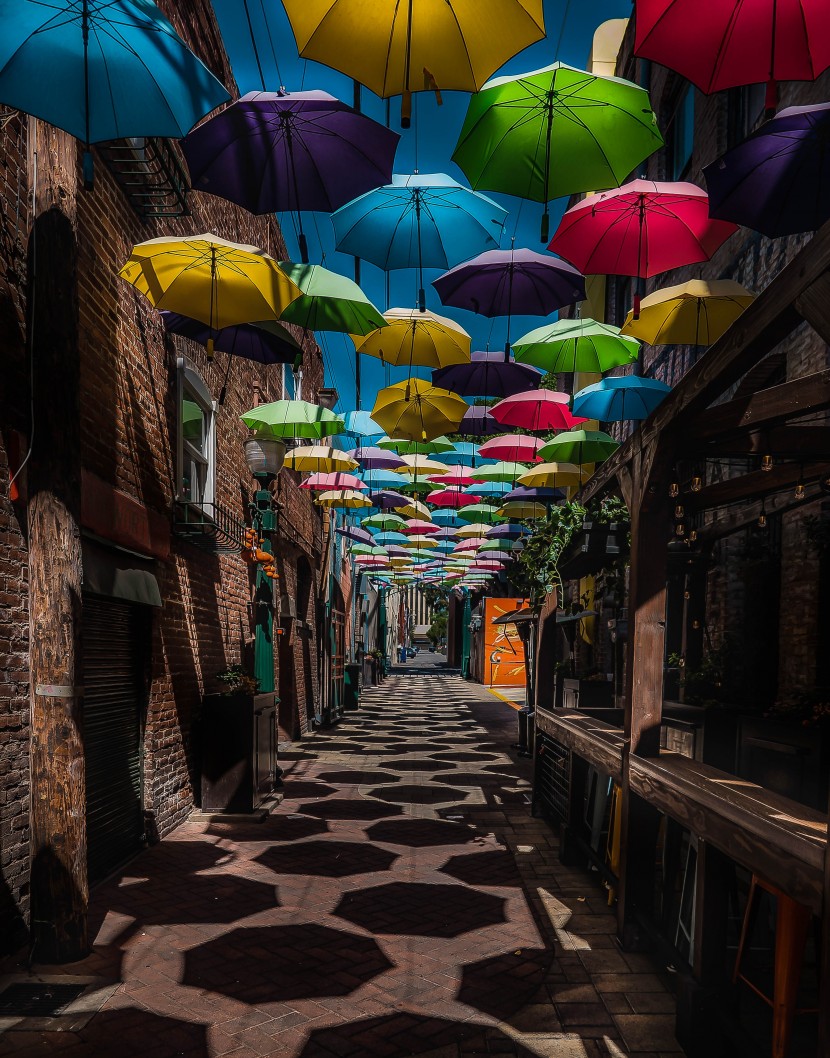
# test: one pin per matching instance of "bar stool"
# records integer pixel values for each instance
(791, 930)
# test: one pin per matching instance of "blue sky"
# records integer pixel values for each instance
(430, 141)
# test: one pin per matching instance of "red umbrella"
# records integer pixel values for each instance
(537, 410)
(452, 497)
(513, 447)
(417, 527)
(325, 482)
(640, 229)
(720, 44)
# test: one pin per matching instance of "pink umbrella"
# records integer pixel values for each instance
(415, 527)
(640, 229)
(537, 410)
(371, 560)
(467, 545)
(457, 477)
(453, 497)
(513, 448)
(335, 480)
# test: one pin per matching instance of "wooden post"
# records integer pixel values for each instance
(824, 969)
(58, 779)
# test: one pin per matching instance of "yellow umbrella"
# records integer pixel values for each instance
(416, 339)
(521, 510)
(551, 476)
(419, 541)
(395, 47)
(219, 283)
(420, 466)
(694, 313)
(475, 529)
(415, 509)
(417, 410)
(343, 498)
(314, 459)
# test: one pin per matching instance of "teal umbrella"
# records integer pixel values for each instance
(576, 345)
(554, 132)
(620, 398)
(329, 302)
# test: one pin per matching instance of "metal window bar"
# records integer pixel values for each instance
(209, 526)
(150, 174)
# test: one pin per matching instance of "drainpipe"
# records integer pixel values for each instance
(466, 618)
(265, 521)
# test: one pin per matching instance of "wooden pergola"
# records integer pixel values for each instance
(732, 819)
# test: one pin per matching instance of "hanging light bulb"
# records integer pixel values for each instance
(674, 490)
(762, 518)
(697, 483)
(680, 529)
(679, 511)
(799, 490)
(693, 536)
(766, 463)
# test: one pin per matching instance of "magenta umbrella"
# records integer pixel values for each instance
(452, 497)
(640, 229)
(458, 476)
(418, 527)
(513, 448)
(537, 410)
(324, 482)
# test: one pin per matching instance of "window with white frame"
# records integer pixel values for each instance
(196, 464)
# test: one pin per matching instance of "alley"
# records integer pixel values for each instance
(400, 901)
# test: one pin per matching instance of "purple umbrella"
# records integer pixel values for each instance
(511, 283)
(372, 458)
(777, 181)
(267, 343)
(489, 374)
(478, 422)
(507, 531)
(356, 534)
(499, 556)
(276, 151)
(541, 495)
(387, 500)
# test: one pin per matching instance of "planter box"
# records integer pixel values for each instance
(239, 751)
(587, 694)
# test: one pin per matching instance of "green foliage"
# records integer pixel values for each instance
(437, 631)
(704, 685)
(237, 681)
(809, 707)
(437, 598)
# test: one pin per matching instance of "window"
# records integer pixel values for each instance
(680, 135)
(287, 382)
(196, 437)
(744, 110)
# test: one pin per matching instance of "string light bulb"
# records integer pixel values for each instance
(693, 536)
(762, 517)
(697, 483)
(766, 463)
(674, 490)
(679, 511)
(680, 529)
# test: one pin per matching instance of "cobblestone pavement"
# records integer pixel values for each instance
(400, 901)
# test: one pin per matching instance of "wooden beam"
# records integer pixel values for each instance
(755, 485)
(765, 407)
(813, 305)
(782, 442)
(748, 515)
(597, 742)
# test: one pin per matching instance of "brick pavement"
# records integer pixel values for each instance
(400, 901)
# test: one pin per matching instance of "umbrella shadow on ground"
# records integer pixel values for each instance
(274, 828)
(421, 833)
(358, 778)
(420, 909)
(328, 859)
(343, 808)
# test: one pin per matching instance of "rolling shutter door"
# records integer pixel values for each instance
(115, 648)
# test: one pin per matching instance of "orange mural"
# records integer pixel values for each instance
(504, 653)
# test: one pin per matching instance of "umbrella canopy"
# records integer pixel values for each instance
(507, 532)
(266, 342)
(576, 345)
(536, 493)
(292, 418)
(383, 522)
(103, 70)
(345, 498)
(524, 509)
(501, 471)
(204, 277)
(390, 538)
(355, 533)
(418, 465)
(478, 422)
(418, 221)
(368, 549)
(477, 514)
(447, 518)
(418, 411)
(399, 48)
(617, 399)
(461, 452)
(640, 229)
(328, 301)
(374, 458)
(514, 447)
(332, 480)
(503, 543)
(381, 479)
(554, 132)
(511, 283)
(450, 498)
(414, 509)
(778, 180)
(272, 152)
(489, 374)
(718, 44)
(551, 476)
(499, 556)
(360, 424)
(416, 485)
(447, 534)
(417, 526)
(416, 339)
(580, 447)
(460, 477)
(543, 409)
(388, 499)
(314, 459)
(489, 488)
(693, 313)
(404, 447)
(417, 541)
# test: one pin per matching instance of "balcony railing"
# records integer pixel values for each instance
(209, 526)
(150, 174)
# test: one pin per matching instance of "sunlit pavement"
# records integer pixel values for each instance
(401, 901)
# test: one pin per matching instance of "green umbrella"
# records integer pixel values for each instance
(293, 418)
(576, 345)
(367, 549)
(500, 544)
(580, 447)
(415, 448)
(500, 472)
(417, 485)
(383, 521)
(554, 132)
(478, 512)
(329, 302)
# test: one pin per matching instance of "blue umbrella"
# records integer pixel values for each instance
(391, 538)
(488, 488)
(618, 398)
(424, 220)
(447, 518)
(361, 424)
(463, 453)
(102, 70)
(383, 479)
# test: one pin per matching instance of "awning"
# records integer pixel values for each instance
(119, 575)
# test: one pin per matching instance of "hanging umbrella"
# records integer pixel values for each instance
(382, 479)
(390, 538)
(355, 533)
(554, 132)
(551, 476)
(417, 526)
(368, 549)
(405, 447)
(478, 422)
(373, 458)
(418, 465)
(460, 477)
(345, 498)
(313, 459)
(420, 221)
(388, 499)
(524, 509)
(693, 313)
(102, 70)
(417, 541)
(332, 480)
(580, 447)
(719, 44)
(360, 424)
(502, 543)
(292, 418)
(777, 181)
(446, 518)
(499, 556)
(536, 493)
(444, 547)
(446, 535)
(414, 509)
(272, 152)
(402, 48)
(416, 339)
(576, 345)
(266, 342)
(617, 399)
(204, 277)
(508, 532)
(451, 497)
(500, 471)
(543, 409)
(479, 514)
(328, 301)
(640, 229)
(417, 410)
(488, 374)
(516, 447)
(383, 521)
(486, 489)
(416, 485)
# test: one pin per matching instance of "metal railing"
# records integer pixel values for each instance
(209, 526)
